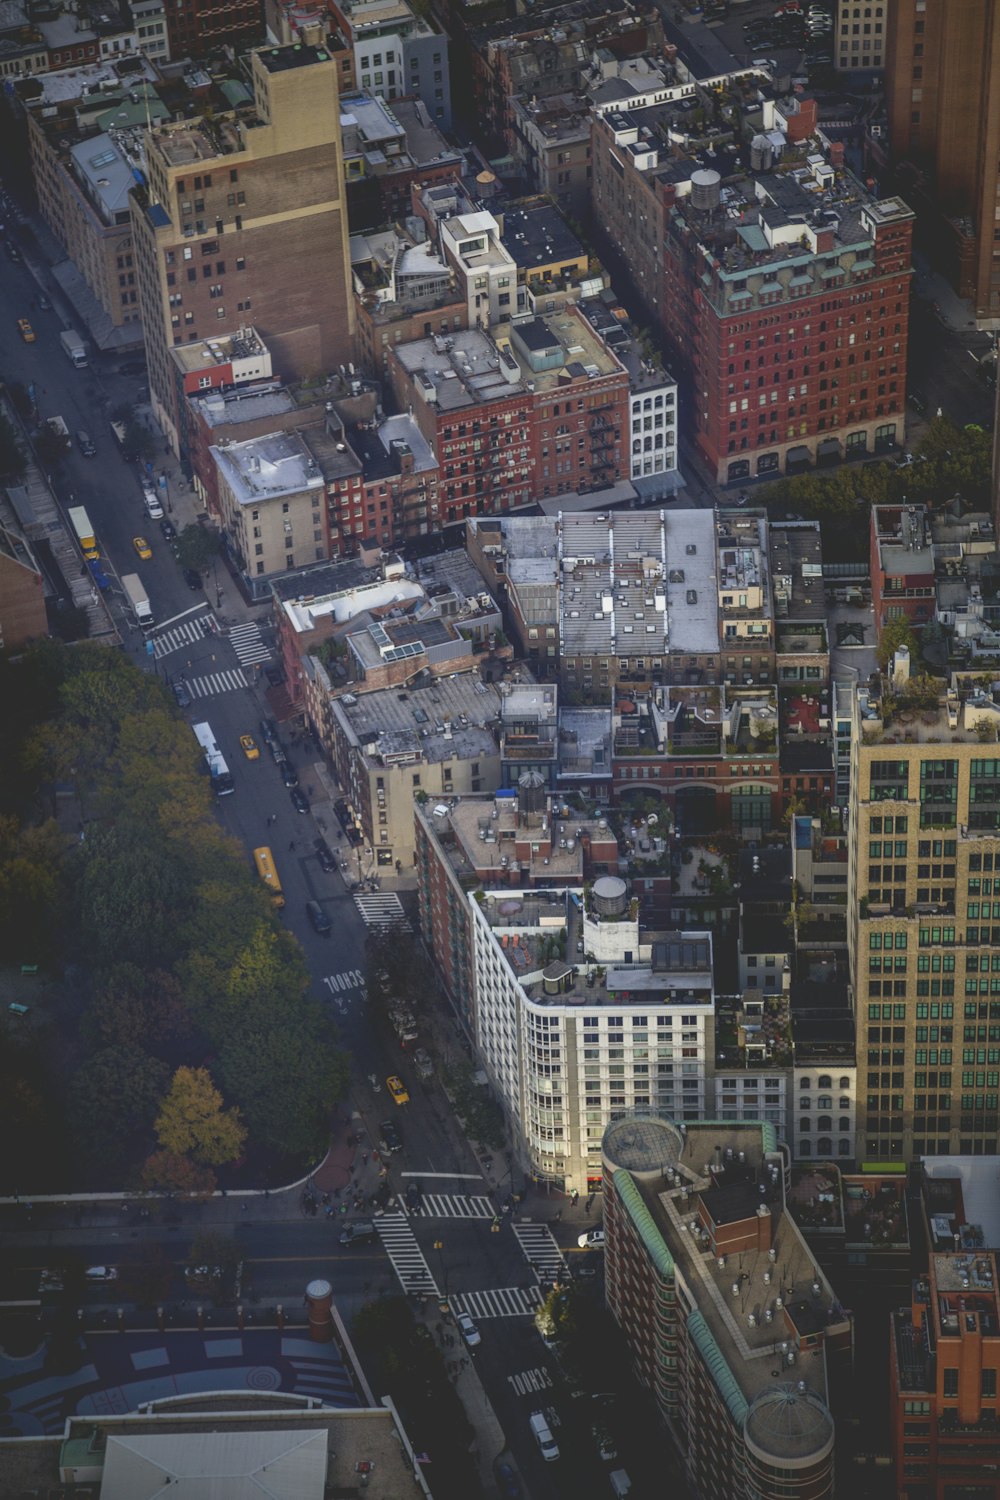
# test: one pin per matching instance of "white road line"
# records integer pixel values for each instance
(183, 615)
(229, 681)
(247, 643)
(457, 1176)
(405, 1254)
(498, 1302)
(540, 1250)
(450, 1206)
(382, 910)
(529, 1382)
(180, 636)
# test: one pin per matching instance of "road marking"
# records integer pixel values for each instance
(183, 615)
(247, 643)
(229, 681)
(528, 1382)
(540, 1251)
(450, 1206)
(383, 911)
(405, 1255)
(498, 1302)
(347, 979)
(188, 634)
(458, 1176)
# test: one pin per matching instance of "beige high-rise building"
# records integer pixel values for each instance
(859, 35)
(243, 220)
(942, 78)
(924, 918)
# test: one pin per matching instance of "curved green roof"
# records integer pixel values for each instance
(635, 1206)
(715, 1360)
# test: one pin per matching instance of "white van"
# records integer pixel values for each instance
(620, 1483)
(543, 1437)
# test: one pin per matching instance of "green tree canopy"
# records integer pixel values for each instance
(196, 545)
(193, 1121)
(896, 633)
(113, 1100)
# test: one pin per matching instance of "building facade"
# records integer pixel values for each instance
(859, 35)
(230, 205)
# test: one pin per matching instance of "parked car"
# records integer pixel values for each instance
(101, 1273)
(290, 776)
(326, 857)
(299, 799)
(268, 731)
(152, 502)
(605, 1442)
(592, 1240)
(318, 919)
(168, 530)
(85, 443)
(192, 578)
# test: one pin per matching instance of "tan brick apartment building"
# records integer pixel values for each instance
(923, 927)
(245, 220)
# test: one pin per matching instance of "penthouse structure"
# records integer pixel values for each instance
(231, 202)
(902, 566)
(575, 1015)
(924, 841)
(784, 289)
(397, 52)
(732, 1326)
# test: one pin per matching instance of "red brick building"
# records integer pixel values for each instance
(902, 566)
(785, 294)
(195, 27)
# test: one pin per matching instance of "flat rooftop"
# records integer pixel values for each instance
(585, 742)
(297, 55)
(204, 353)
(453, 717)
(265, 468)
(217, 409)
(537, 234)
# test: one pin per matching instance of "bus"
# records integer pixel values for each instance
(222, 781)
(264, 861)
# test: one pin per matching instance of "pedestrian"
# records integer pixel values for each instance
(246, 1208)
(291, 846)
(558, 1216)
(364, 1158)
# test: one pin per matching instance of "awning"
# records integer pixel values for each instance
(864, 265)
(801, 278)
(830, 271)
(798, 455)
(826, 446)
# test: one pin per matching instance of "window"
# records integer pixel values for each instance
(950, 1386)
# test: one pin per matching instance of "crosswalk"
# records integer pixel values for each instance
(229, 681)
(528, 1382)
(247, 643)
(498, 1302)
(451, 1206)
(540, 1251)
(405, 1254)
(379, 910)
(188, 633)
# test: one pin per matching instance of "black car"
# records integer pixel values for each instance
(289, 775)
(299, 799)
(318, 919)
(354, 837)
(326, 857)
(389, 1138)
(192, 579)
(268, 731)
(181, 694)
(167, 530)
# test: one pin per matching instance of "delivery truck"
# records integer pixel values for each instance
(81, 524)
(76, 349)
(139, 600)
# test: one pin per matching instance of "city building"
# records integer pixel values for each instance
(902, 566)
(859, 35)
(732, 1326)
(196, 29)
(397, 52)
(388, 150)
(529, 732)
(403, 291)
(382, 482)
(551, 146)
(921, 924)
(942, 82)
(574, 1013)
(753, 1059)
(825, 1073)
(271, 504)
(23, 616)
(944, 1360)
(518, 558)
(783, 289)
(230, 203)
(432, 742)
(85, 135)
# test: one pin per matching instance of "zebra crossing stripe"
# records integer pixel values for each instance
(229, 681)
(382, 911)
(540, 1250)
(452, 1206)
(180, 635)
(498, 1302)
(247, 643)
(530, 1381)
(405, 1255)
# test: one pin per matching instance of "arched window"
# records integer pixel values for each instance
(843, 1123)
(805, 1148)
(824, 1102)
(824, 1146)
(844, 1102)
(843, 1148)
(803, 1083)
(824, 1123)
(845, 1083)
(804, 1104)
(804, 1123)
(825, 1081)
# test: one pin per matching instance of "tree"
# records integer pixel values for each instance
(196, 546)
(12, 460)
(138, 445)
(287, 1076)
(31, 889)
(50, 447)
(113, 1100)
(136, 1009)
(896, 633)
(165, 1172)
(193, 1122)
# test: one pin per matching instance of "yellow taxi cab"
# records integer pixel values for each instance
(249, 747)
(397, 1088)
(143, 548)
(26, 331)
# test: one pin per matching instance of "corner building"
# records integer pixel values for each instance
(923, 927)
(732, 1327)
(243, 220)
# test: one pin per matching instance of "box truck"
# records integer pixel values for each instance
(76, 349)
(139, 600)
(81, 524)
